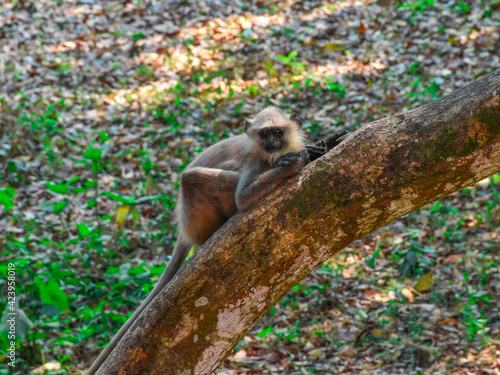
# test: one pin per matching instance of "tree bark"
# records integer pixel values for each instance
(381, 172)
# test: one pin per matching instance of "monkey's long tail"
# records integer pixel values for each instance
(179, 255)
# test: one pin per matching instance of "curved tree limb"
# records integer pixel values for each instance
(381, 172)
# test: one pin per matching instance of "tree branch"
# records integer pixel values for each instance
(381, 172)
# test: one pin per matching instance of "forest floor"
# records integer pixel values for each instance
(103, 103)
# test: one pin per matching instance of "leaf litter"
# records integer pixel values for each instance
(148, 84)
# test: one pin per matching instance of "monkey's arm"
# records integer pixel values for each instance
(253, 187)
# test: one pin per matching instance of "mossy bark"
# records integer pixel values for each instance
(381, 172)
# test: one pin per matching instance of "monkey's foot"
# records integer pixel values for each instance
(317, 151)
(325, 145)
(335, 139)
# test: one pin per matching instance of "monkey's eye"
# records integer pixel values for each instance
(263, 134)
(279, 132)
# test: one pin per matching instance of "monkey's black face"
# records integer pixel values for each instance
(272, 138)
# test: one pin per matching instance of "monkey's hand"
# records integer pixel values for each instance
(293, 162)
(325, 145)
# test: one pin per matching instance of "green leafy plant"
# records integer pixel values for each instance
(338, 88)
(417, 5)
(52, 294)
(6, 195)
(415, 258)
(462, 8)
(292, 62)
(370, 262)
(137, 36)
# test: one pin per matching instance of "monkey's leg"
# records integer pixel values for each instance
(181, 250)
(207, 201)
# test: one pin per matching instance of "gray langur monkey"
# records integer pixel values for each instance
(228, 177)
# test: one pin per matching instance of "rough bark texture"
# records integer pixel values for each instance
(380, 173)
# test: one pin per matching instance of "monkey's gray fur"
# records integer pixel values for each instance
(227, 177)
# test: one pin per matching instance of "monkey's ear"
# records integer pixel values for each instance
(295, 118)
(247, 124)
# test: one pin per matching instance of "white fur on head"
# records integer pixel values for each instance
(275, 117)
